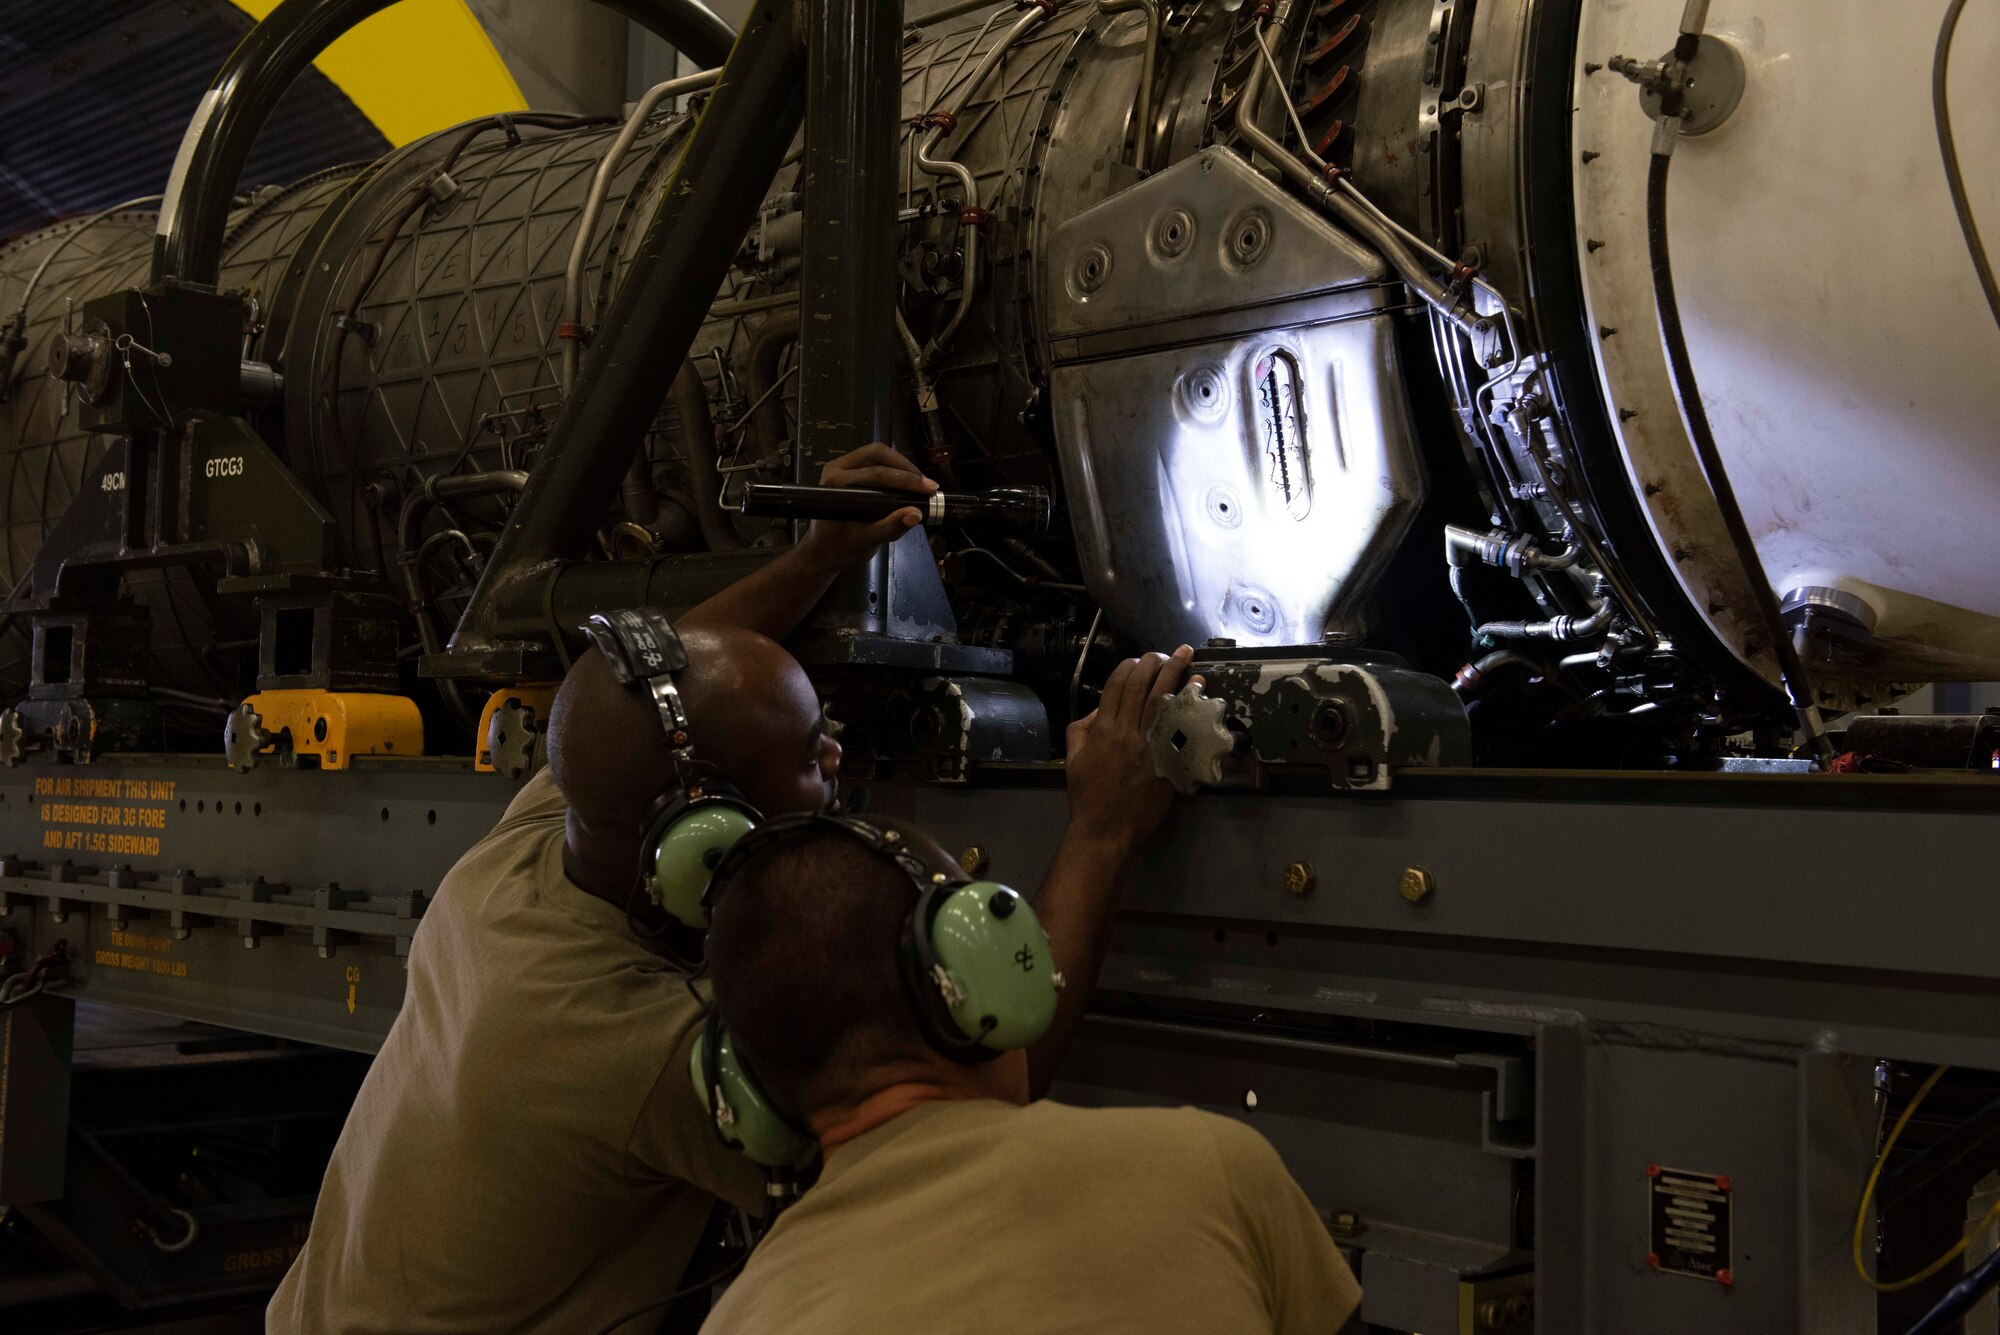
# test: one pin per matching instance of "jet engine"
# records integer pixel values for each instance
(1334, 330)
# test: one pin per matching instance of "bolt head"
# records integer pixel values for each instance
(1345, 1224)
(972, 859)
(1300, 878)
(1416, 884)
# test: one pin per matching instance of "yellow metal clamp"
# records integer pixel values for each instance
(335, 726)
(534, 697)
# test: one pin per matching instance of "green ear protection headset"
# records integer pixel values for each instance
(694, 823)
(976, 969)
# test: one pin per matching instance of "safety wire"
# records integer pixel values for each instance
(1868, 1195)
(154, 360)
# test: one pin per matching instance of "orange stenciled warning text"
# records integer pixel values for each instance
(111, 815)
(141, 953)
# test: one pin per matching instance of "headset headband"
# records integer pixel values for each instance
(644, 650)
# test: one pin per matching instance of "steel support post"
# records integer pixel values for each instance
(735, 149)
(847, 374)
(847, 343)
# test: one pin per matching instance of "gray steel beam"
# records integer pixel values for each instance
(301, 889)
(1812, 885)
(1607, 973)
(1777, 922)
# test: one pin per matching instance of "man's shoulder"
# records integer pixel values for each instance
(511, 869)
(515, 856)
(1175, 1121)
(1066, 1189)
(538, 800)
(1124, 1132)
(506, 922)
(1191, 1138)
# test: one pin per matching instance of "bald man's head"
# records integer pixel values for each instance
(752, 715)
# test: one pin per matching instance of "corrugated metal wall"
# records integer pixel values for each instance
(94, 95)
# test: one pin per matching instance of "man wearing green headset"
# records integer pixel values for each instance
(524, 1154)
(871, 1000)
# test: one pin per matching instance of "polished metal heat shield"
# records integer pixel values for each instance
(1230, 410)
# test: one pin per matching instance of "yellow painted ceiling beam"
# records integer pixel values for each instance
(416, 67)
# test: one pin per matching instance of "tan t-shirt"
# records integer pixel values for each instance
(525, 1154)
(966, 1217)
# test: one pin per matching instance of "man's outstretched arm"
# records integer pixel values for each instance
(1116, 802)
(775, 598)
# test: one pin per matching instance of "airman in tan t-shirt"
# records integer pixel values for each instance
(524, 1155)
(984, 1216)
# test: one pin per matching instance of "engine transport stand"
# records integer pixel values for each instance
(1561, 1052)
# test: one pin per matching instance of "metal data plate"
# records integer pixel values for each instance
(1228, 401)
(1688, 1217)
